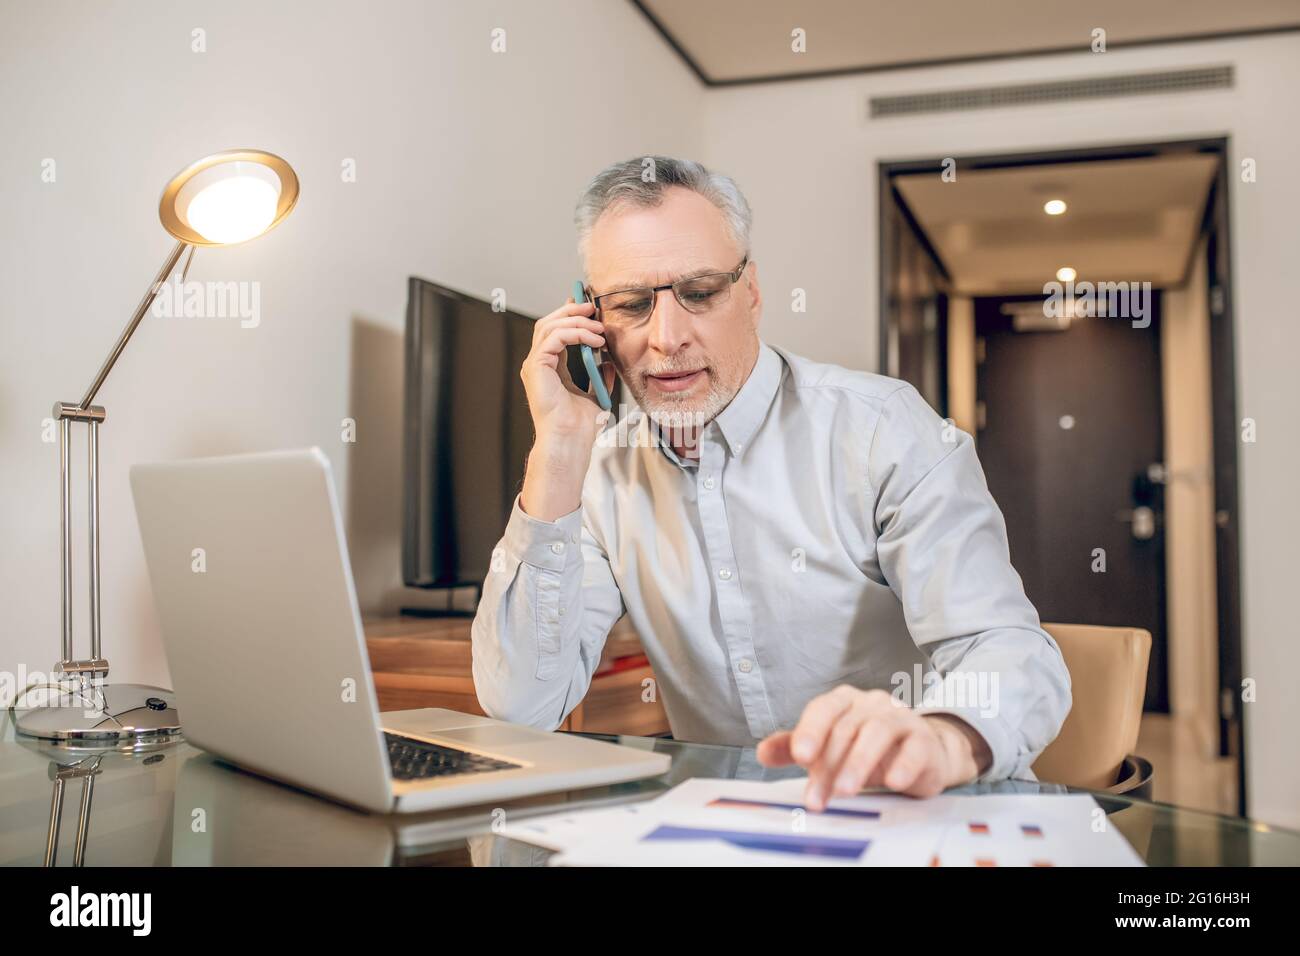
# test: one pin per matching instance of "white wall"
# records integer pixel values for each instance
(806, 154)
(468, 165)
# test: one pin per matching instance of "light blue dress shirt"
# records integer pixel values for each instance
(834, 530)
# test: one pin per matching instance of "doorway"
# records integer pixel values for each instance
(1071, 430)
(1109, 440)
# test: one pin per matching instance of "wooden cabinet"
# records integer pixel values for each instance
(425, 662)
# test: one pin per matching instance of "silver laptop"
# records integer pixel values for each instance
(263, 637)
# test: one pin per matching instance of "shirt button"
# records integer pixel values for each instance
(558, 547)
(709, 483)
(745, 665)
(725, 574)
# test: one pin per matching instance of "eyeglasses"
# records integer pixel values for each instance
(631, 308)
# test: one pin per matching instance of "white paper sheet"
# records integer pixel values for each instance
(715, 822)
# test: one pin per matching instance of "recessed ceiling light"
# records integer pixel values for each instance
(1054, 207)
(1066, 274)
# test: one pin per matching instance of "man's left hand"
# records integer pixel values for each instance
(850, 738)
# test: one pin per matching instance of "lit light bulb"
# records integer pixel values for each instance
(230, 202)
(1054, 207)
(1066, 274)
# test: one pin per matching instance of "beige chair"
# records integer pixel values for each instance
(1108, 671)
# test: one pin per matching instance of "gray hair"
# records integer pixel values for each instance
(641, 181)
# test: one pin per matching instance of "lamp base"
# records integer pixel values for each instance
(105, 716)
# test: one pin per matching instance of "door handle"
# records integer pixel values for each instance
(1142, 519)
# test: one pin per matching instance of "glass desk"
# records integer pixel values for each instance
(180, 806)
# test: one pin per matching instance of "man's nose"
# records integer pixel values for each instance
(670, 324)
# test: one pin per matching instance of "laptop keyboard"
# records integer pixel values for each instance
(417, 760)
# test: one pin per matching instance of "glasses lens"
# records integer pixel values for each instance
(623, 308)
(703, 293)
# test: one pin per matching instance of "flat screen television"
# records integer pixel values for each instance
(467, 431)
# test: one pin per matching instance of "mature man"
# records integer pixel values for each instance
(795, 543)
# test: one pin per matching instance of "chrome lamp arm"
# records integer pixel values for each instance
(65, 414)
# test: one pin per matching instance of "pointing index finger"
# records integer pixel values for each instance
(815, 724)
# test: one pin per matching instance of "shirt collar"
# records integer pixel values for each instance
(740, 419)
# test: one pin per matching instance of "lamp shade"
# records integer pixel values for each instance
(228, 197)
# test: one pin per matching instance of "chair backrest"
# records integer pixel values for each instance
(1108, 674)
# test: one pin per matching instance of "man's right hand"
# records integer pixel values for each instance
(565, 418)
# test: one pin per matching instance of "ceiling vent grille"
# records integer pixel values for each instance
(1055, 91)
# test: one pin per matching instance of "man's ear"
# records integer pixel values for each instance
(756, 295)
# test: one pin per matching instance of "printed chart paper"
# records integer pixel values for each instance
(711, 822)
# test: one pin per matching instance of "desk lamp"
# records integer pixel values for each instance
(223, 199)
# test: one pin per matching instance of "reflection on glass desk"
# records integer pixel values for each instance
(180, 806)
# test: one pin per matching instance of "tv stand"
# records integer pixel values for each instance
(448, 610)
(436, 612)
(428, 663)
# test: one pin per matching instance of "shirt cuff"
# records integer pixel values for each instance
(550, 545)
(1001, 741)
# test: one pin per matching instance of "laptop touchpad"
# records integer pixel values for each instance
(491, 735)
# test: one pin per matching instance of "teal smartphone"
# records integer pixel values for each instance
(589, 358)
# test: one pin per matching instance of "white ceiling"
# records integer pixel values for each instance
(1128, 220)
(743, 40)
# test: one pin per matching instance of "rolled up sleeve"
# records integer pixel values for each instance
(942, 547)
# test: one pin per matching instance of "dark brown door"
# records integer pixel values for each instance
(1072, 442)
